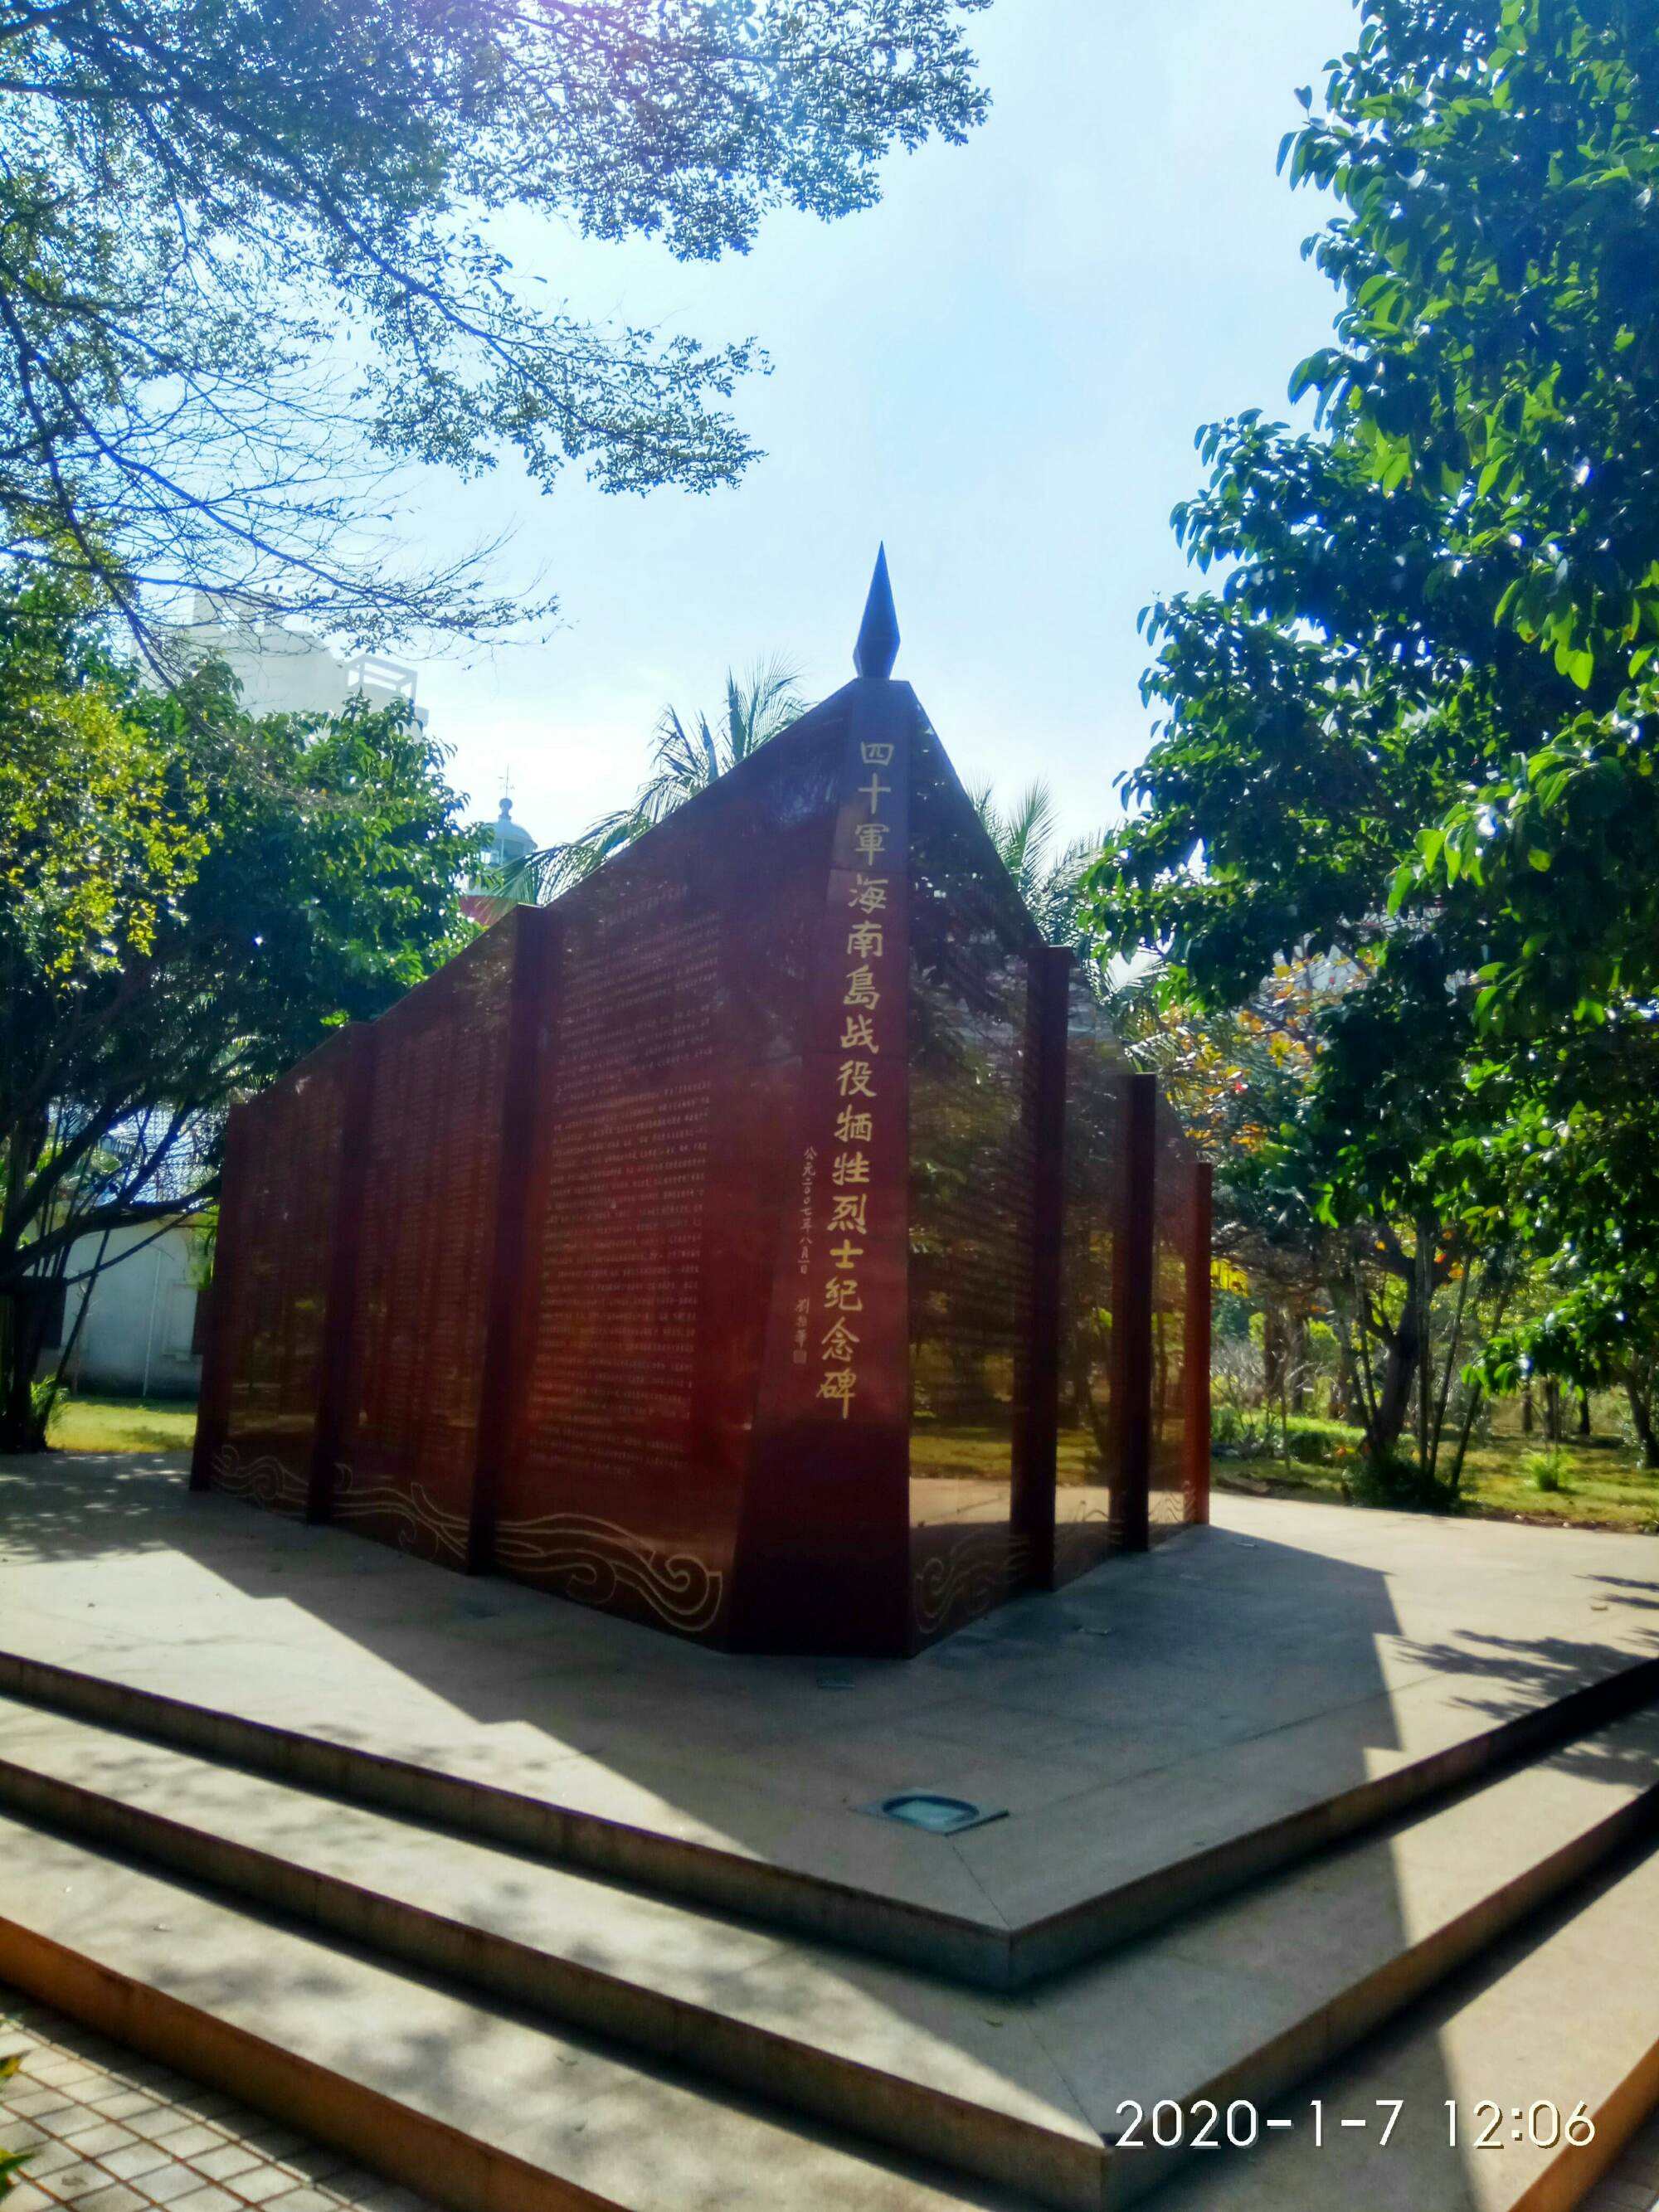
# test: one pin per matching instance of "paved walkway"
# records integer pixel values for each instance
(111, 2131)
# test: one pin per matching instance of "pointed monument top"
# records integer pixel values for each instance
(879, 633)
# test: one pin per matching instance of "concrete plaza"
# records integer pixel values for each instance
(1263, 1795)
(1234, 1677)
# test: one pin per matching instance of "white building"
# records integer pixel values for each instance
(282, 671)
(141, 1335)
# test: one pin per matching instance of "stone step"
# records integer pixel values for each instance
(1253, 1995)
(1179, 1838)
(677, 1864)
(472, 2105)
(918, 2065)
(1240, 1999)
(1564, 2013)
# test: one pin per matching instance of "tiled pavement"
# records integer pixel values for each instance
(111, 2131)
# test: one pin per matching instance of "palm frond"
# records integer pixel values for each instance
(1051, 884)
(552, 870)
(1026, 832)
(686, 758)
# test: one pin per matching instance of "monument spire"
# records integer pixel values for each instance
(879, 633)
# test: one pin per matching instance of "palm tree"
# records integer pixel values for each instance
(689, 758)
(1049, 882)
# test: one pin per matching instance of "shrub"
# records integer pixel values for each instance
(1393, 1480)
(1321, 1443)
(11, 2161)
(1243, 1432)
(1256, 1432)
(1546, 1470)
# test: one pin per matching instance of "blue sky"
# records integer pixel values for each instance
(999, 370)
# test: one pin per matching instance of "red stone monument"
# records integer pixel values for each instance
(767, 1240)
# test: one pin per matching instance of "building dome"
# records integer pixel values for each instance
(500, 880)
(510, 841)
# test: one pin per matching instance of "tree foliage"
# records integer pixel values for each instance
(1567, 1148)
(96, 836)
(193, 899)
(1407, 719)
(249, 257)
(1498, 257)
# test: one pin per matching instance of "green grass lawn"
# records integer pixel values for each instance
(134, 1424)
(1601, 1487)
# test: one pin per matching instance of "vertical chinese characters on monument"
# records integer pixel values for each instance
(861, 1092)
(823, 1515)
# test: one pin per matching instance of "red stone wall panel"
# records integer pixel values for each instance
(1177, 1200)
(1088, 1506)
(430, 1162)
(271, 1327)
(667, 1077)
(823, 1561)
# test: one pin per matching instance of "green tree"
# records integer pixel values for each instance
(1409, 733)
(1301, 746)
(1569, 1155)
(192, 899)
(250, 257)
(1499, 255)
(1499, 260)
(690, 757)
(1242, 1080)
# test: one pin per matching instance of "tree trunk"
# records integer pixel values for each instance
(1274, 1350)
(1298, 1333)
(1553, 1410)
(22, 1315)
(1640, 1401)
(1465, 1430)
(1583, 1413)
(1526, 1411)
(1394, 1398)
